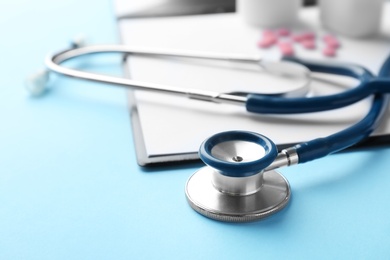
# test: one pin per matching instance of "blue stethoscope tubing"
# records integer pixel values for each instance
(369, 84)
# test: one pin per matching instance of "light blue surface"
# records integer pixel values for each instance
(70, 187)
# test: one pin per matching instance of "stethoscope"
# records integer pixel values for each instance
(239, 183)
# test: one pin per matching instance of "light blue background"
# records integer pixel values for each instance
(70, 187)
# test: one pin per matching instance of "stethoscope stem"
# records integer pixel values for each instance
(286, 157)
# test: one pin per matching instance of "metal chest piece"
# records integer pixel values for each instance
(234, 187)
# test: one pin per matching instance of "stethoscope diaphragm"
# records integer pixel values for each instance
(234, 186)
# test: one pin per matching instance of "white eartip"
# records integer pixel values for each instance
(36, 83)
(79, 41)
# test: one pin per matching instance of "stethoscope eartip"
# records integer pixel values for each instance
(36, 83)
(79, 41)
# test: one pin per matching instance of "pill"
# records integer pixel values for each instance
(331, 41)
(286, 48)
(283, 32)
(308, 36)
(268, 33)
(309, 44)
(329, 51)
(267, 41)
(297, 37)
(304, 36)
(327, 37)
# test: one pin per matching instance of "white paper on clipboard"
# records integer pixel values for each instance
(170, 129)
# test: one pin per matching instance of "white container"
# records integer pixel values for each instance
(352, 18)
(269, 13)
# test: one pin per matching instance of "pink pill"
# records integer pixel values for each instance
(286, 48)
(304, 36)
(297, 37)
(268, 33)
(331, 41)
(267, 41)
(308, 36)
(327, 37)
(309, 44)
(283, 32)
(329, 52)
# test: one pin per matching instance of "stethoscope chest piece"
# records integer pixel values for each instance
(234, 187)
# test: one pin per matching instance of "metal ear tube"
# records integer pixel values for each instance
(240, 183)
